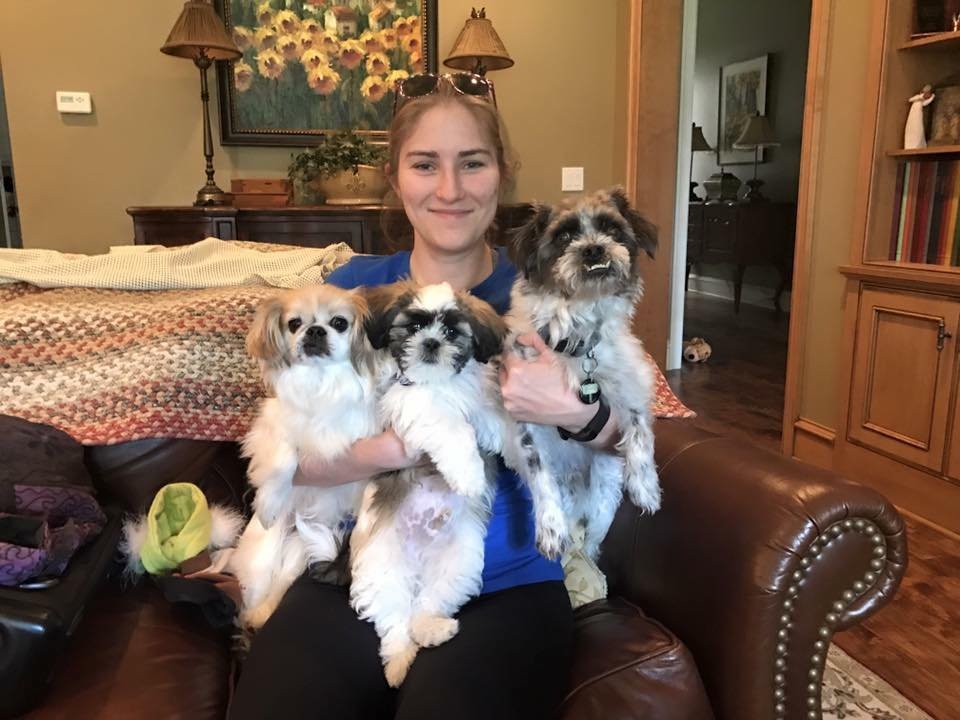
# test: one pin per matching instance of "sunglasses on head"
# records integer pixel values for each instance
(417, 86)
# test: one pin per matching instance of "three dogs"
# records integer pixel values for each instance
(346, 364)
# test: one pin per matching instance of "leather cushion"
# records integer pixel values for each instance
(627, 665)
(137, 655)
(131, 473)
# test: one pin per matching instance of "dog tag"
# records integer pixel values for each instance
(589, 391)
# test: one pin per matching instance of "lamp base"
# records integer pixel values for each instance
(753, 193)
(211, 195)
(693, 196)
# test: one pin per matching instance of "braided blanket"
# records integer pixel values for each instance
(110, 366)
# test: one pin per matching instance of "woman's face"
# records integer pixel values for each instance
(448, 179)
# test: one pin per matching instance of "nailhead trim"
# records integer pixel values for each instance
(825, 632)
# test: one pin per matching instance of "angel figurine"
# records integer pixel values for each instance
(913, 134)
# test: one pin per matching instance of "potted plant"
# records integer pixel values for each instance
(344, 169)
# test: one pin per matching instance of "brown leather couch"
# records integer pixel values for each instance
(721, 605)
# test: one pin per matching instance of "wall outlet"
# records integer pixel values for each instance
(74, 102)
(571, 179)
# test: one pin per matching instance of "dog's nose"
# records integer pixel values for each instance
(592, 252)
(316, 332)
(431, 345)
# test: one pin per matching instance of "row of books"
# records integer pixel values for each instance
(925, 227)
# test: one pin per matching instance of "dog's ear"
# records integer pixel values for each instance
(359, 350)
(265, 340)
(643, 230)
(384, 303)
(488, 328)
(525, 243)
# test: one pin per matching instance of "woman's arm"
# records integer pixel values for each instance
(367, 457)
(536, 391)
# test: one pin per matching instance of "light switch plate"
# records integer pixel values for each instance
(74, 102)
(571, 179)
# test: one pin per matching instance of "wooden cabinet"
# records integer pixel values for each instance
(369, 229)
(903, 378)
(744, 234)
(899, 420)
(358, 227)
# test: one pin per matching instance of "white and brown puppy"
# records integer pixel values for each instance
(417, 548)
(578, 282)
(313, 353)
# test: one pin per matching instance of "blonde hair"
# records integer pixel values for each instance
(483, 112)
(394, 224)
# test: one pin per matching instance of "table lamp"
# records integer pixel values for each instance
(200, 35)
(698, 144)
(757, 134)
(478, 48)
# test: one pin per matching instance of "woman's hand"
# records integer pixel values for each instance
(536, 391)
(367, 457)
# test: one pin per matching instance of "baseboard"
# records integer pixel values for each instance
(813, 443)
(758, 295)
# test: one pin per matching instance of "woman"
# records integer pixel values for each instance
(314, 657)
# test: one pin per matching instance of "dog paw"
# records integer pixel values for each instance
(471, 482)
(256, 617)
(432, 630)
(396, 667)
(551, 534)
(644, 491)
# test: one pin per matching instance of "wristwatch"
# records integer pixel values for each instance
(592, 428)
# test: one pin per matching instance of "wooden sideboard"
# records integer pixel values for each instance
(369, 229)
(744, 234)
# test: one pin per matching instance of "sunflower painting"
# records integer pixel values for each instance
(314, 66)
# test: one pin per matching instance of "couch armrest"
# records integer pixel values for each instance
(754, 561)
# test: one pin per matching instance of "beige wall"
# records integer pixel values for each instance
(834, 201)
(143, 144)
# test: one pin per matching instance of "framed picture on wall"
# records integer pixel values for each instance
(312, 67)
(743, 92)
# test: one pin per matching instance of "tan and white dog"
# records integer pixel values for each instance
(314, 356)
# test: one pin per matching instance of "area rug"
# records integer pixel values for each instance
(852, 692)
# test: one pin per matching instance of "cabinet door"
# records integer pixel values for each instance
(902, 374)
(719, 232)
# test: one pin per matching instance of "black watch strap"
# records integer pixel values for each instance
(592, 428)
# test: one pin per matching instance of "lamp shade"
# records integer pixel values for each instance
(199, 28)
(478, 45)
(756, 134)
(699, 142)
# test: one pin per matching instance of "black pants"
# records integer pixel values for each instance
(315, 659)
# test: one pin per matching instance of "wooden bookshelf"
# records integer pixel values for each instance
(927, 151)
(937, 41)
(898, 401)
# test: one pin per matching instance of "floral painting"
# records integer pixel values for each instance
(313, 66)
(743, 92)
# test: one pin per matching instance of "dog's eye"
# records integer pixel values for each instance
(339, 323)
(415, 326)
(293, 324)
(450, 333)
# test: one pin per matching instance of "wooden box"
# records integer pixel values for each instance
(260, 192)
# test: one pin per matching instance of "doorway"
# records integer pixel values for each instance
(10, 236)
(743, 77)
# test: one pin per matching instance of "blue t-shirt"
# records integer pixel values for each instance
(511, 557)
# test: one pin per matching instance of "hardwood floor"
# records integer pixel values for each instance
(739, 390)
(914, 642)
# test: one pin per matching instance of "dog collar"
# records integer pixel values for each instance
(565, 346)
